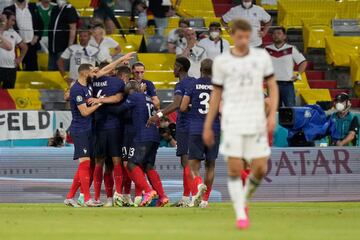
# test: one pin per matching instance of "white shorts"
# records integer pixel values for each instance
(247, 147)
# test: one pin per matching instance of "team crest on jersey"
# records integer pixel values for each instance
(79, 98)
(85, 150)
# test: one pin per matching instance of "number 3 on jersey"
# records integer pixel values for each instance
(204, 103)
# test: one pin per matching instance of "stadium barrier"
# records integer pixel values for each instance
(294, 174)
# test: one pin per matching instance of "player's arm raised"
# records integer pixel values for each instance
(185, 104)
(111, 99)
(215, 98)
(273, 102)
(110, 67)
(169, 109)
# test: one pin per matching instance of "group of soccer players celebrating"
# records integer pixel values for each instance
(115, 124)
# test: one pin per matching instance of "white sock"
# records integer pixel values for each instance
(237, 195)
(186, 198)
(251, 185)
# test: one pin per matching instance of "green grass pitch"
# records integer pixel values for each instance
(278, 221)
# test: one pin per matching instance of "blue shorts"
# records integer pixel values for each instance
(198, 151)
(128, 147)
(145, 153)
(182, 139)
(108, 143)
(83, 144)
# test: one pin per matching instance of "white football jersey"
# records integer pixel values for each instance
(242, 81)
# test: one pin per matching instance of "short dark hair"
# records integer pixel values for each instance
(84, 67)
(123, 69)
(184, 21)
(8, 14)
(184, 63)
(137, 64)
(206, 67)
(103, 64)
(240, 25)
(279, 28)
(132, 85)
(215, 25)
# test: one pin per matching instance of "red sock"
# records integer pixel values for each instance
(98, 174)
(155, 181)
(207, 193)
(126, 182)
(109, 183)
(187, 181)
(92, 169)
(244, 174)
(196, 182)
(74, 186)
(84, 175)
(118, 177)
(138, 177)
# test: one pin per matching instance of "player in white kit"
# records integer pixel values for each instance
(238, 79)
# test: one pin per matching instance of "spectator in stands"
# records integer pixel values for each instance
(79, 54)
(4, 42)
(214, 44)
(104, 10)
(4, 4)
(106, 44)
(138, 70)
(257, 17)
(44, 8)
(347, 124)
(8, 60)
(283, 56)
(176, 37)
(29, 25)
(193, 52)
(161, 10)
(139, 8)
(63, 22)
(123, 73)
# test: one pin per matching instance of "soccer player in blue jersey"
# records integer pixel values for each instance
(141, 158)
(81, 127)
(181, 68)
(198, 96)
(109, 134)
(148, 87)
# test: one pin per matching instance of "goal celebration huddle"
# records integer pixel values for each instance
(116, 137)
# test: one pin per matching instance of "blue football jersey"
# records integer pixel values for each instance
(150, 88)
(199, 94)
(182, 120)
(142, 109)
(107, 86)
(79, 94)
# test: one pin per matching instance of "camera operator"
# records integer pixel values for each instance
(347, 124)
(176, 38)
(167, 133)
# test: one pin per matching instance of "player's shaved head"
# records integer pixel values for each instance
(206, 67)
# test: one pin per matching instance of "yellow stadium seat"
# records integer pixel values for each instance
(160, 78)
(43, 59)
(198, 8)
(301, 84)
(128, 44)
(340, 49)
(226, 36)
(209, 20)
(40, 80)
(311, 96)
(86, 12)
(173, 22)
(78, 4)
(348, 9)
(124, 22)
(314, 35)
(26, 99)
(157, 61)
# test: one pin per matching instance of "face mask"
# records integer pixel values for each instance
(247, 4)
(339, 107)
(61, 2)
(214, 35)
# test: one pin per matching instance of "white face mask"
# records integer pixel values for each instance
(214, 34)
(339, 107)
(61, 2)
(247, 4)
